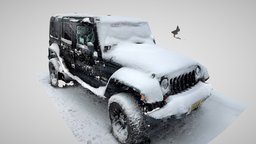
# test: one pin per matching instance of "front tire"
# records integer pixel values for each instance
(126, 119)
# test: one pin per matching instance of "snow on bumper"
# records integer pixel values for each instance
(183, 103)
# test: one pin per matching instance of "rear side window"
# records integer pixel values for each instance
(68, 30)
(54, 28)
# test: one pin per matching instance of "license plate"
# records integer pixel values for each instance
(196, 104)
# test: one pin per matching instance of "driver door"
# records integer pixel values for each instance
(84, 61)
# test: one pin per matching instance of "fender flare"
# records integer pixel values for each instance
(53, 50)
(131, 79)
(54, 58)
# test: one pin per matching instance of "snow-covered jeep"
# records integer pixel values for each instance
(117, 58)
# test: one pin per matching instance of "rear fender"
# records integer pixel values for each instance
(53, 56)
(53, 51)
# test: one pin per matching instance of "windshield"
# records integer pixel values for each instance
(111, 34)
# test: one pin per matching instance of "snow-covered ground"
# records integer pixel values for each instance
(87, 116)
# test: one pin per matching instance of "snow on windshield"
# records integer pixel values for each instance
(113, 33)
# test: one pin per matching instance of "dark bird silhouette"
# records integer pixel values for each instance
(175, 32)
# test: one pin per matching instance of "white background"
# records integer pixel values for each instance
(218, 34)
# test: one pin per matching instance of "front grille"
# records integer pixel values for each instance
(182, 83)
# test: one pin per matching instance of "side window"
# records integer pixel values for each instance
(54, 28)
(84, 35)
(66, 33)
(80, 34)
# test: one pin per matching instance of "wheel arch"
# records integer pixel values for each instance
(146, 88)
(55, 60)
(115, 86)
(53, 51)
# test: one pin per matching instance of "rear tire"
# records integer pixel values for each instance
(126, 119)
(53, 72)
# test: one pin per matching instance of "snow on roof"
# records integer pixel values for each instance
(73, 15)
(103, 19)
(116, 19)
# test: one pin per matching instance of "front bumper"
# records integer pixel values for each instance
(183, 103)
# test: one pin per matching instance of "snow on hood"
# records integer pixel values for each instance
(149, 58)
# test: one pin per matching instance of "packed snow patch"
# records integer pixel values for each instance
(87, 116)
(62, 83)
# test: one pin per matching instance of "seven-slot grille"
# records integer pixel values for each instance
(182, 82)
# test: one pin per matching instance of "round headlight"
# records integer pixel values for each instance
(164, 83)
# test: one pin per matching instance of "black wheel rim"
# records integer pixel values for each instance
(119, 123)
